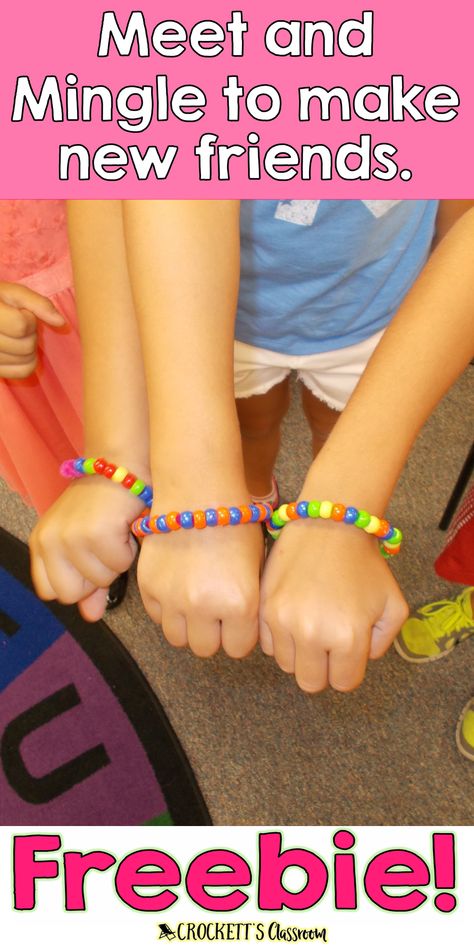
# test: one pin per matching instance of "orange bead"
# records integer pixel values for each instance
(338, 512)
(291, 511)
(172, 520)
(199, 519)
(246, 513)
(223, 516)
(263, 511)
(383, 529)
(391, 550)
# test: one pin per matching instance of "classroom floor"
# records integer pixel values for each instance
(265, 753)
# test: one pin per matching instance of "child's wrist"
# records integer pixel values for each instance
(347, 487)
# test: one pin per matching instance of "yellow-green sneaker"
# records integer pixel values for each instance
(435, 629)
(465, 731)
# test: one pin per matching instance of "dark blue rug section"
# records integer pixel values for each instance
(83, 739)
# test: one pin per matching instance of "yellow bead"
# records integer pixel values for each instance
(119, 475)
(325, 509)
(282, 511)
(373, 525)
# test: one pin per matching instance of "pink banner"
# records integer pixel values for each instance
(220, 99)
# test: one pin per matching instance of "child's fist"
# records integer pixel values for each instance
(20, 308)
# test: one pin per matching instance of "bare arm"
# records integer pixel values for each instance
(115, 401)
(329, 601)
(423, 351)
(184, 266)
(202, 586)
(82, 543)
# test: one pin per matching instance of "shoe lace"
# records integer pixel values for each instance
(448, 620)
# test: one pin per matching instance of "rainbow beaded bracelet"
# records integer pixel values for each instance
(199, 519)
(82, 467)
(390, 537)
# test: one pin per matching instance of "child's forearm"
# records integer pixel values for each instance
(115, 405)
(184, 266)
(427, 346)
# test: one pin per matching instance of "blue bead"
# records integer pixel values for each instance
(145, 525)
(302, 508)
(78, 465)
(147, 496)
(390, 533)
(211, 517)
(187, 519)
(235, 515)
(351, 515)
(162, 525)
(255, 513)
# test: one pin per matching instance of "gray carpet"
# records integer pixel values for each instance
(263, 752)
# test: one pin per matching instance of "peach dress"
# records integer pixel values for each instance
(40, 417)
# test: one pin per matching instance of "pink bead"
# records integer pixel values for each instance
(67, 469)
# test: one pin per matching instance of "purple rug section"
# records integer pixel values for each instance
(124, 787)
(83, 738)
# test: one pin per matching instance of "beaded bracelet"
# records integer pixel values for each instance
(81, 467)
(199, 519)
(390, 537)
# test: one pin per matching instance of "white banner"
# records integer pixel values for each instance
(341, 886)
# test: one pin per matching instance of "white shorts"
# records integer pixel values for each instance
(330, 376)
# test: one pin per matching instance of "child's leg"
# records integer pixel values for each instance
(320, 416)
(260, 418)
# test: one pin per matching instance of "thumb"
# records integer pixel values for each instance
(384, 631)
(23, 298)
(92, 608)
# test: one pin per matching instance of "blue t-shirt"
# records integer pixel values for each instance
(321, 275)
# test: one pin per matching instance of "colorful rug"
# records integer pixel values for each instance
(83, 739)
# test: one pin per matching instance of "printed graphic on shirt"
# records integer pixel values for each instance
(380, 208)
(299, 212)
(304, 212)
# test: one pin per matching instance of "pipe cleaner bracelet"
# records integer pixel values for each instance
(390, 537)
(82, 467)
(199, 519)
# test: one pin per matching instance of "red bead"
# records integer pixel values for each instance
(172, 520)
(129, 481)
(199, 519)
(99, 465)
(223, 516)
(109, 470)
(338, 512)
(291, 511)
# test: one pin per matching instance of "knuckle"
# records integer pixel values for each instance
(277, 616)
(309, 687)
(344, 637)
(346, 686)
(205, 649)
(23, 370)
(28, 347)
(23, 323)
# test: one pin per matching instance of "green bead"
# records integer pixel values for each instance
(363, 519)
(276, 519)
(396, 539)
(137, 487)
(314, 507)
(88, 466)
